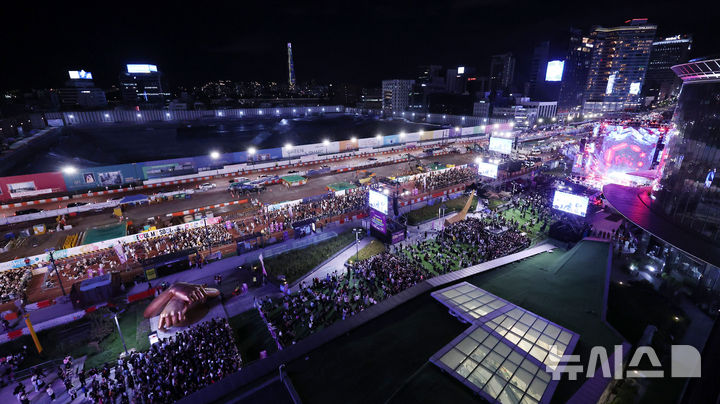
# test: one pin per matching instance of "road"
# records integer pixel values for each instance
(274, 194)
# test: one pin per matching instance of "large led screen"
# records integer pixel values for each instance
(570, 203)
(487, 169)
(501, 145)
(378, 201)
(554, 71)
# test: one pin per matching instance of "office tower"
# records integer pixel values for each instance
(141, 83)
(80, 91)
(291, 68)
(456, 79)
(619, 62)
(574, 78)
(538, 65)
(660, 81)
(396, 95)
(502, 72)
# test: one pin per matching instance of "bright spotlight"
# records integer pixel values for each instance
(288, 145)
(353, 139)
(215, 155)
(326, 142)
(69, 170)
(251, 151)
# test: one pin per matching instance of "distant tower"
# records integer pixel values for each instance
(291, 68)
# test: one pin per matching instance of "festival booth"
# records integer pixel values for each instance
(340, 186)
(167, 264)
(293, 180)
(95, 290)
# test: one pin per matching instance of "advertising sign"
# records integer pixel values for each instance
(378, 221)
(570, 203)
(378, 201)
(398, 236)
(554, 70)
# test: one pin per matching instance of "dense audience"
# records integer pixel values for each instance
(446, 178)
(339, 296)
(169, 370)
(325, 301)
(13, 284)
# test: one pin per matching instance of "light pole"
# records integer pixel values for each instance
(122, 338)
(52, 261)
(357, 243)
(207, 235)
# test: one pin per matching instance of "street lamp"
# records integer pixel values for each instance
(214, 155)
(288, 146)
(357, 232)
(251, 151)
(353, 139)
(52, 261)
(326, 143)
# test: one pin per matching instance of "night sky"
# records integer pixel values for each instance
(358, 42)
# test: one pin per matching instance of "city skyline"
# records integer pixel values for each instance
(333, 44)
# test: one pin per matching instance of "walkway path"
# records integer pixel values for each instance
(337, 263)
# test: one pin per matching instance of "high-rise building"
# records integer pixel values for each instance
(618, 66)
(141, 83)
(456, 79)
(80, 91)
(660, 81)
(396, 95)
(538, 65)
(291, 67)
(574, 78)
(502, 72)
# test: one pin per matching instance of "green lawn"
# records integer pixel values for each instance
(532, 231)
(425, 213)
(391, 352)
(252, 335)
(95, 335)
(374, 248)
(296, 263)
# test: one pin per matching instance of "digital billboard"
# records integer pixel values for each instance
(378, 201)
(378, 221)
(79, 75)
(501, 145)
(487, 169)
(141, 68)
(634, 88)
(570, 203)
(554, 71)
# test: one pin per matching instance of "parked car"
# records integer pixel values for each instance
(207, 186)
(76, 204)
(27, 211)
(372, 158)
(324, 166)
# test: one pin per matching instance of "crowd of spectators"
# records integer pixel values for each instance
(446, 178)
(171, 369)
(13, 284)
(338, 296)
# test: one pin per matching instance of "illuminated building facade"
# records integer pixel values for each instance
(618, 65)
(660, 81)
(396, 95)
(690, 186)
(291, 67)
(141, 83)
(577, 64)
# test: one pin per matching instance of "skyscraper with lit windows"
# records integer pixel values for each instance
(291, 68)
(618, 65)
